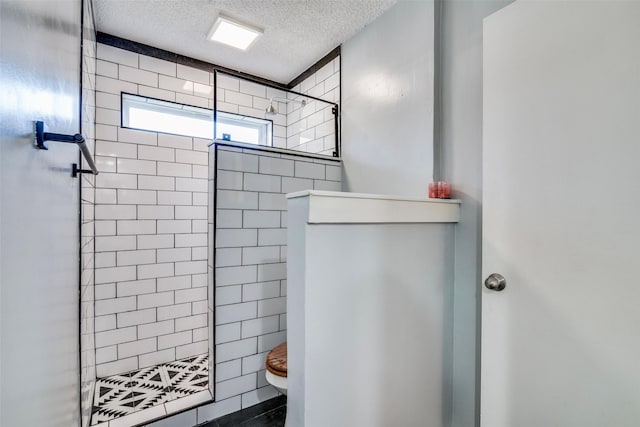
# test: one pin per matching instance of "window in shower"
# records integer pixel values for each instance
(155, 115)
(234, 127)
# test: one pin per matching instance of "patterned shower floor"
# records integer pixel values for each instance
(120, 395)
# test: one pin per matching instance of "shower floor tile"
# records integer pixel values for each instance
(120, 395)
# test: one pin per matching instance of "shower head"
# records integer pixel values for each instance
(272, 110)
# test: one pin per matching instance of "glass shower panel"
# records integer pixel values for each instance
(299, 121)
(311, 126)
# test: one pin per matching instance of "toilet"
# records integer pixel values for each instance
(276, 373)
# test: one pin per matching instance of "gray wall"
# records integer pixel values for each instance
(387, 103)
(460, 130)
(387, 317)
(40, 49)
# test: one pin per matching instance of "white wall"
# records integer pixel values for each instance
(460, 130)
(39, 253)
(387, 103)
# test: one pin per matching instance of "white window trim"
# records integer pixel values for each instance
(263, 126)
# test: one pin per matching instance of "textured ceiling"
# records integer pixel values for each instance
(297, 33)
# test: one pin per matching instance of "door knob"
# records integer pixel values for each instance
(495, 282)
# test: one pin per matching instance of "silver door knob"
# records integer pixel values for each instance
(495, 282)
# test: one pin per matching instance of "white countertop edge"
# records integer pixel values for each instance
(332, 207)
(306, 193)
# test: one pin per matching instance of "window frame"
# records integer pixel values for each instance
(264, 126)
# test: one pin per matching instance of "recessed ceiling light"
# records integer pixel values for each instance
(233, 33)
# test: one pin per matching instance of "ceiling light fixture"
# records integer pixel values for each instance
(234, 33)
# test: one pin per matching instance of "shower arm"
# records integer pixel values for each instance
(286, 101)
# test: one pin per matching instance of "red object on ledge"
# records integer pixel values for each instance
(440, 190)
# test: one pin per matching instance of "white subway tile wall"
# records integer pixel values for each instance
(155, 290)
(88, 291)
(150, 219)
(250, 258)
(239, 96)
(311, 128)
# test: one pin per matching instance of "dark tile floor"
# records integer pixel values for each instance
(266, 414)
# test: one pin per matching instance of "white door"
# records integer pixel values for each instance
(561, 343)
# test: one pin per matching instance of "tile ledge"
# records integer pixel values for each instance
(267, 148)
(345, 194)
(330, 207)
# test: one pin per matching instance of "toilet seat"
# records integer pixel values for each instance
(277, 360)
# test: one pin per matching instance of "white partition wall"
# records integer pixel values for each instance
(367, 304)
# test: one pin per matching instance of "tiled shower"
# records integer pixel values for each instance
(151, 198)
(150, 245)
(152, 307)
